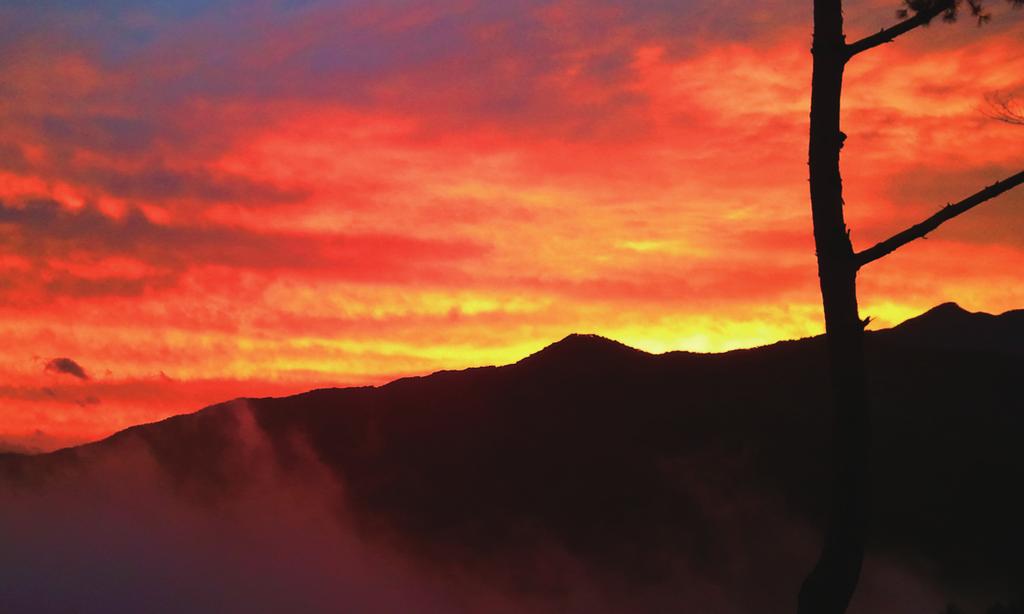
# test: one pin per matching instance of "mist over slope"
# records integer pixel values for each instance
(588, 477)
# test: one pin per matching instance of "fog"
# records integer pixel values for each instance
(115, 532)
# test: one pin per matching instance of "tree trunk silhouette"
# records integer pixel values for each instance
(830, 585)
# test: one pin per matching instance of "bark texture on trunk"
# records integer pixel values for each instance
(830, 585)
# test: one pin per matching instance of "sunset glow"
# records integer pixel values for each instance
(257, 198)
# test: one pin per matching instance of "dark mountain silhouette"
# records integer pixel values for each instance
(951, 326)
(640, 465)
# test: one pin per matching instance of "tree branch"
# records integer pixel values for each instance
(888, 35)
(946, 213)
(1005, 108)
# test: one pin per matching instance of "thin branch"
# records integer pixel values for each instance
(888, 35)
(948, 212)
(1004, 107)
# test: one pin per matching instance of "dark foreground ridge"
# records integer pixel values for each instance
(640, 465)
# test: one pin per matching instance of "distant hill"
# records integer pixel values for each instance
(639, 466)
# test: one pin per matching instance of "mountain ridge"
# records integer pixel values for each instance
(627, 461)
(946, 317)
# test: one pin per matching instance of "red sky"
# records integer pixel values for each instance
(254, 198)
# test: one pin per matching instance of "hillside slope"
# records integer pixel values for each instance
(645, 468)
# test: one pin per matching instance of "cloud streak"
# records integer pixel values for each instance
(66, 366)
(309, 192)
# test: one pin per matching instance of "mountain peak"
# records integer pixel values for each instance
(945, 310)
(590, 341)
(942, 317)
(951, 326)
(579, 347)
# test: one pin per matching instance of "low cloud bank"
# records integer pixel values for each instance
(115, 531)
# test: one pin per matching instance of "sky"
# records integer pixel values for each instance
(201, 200)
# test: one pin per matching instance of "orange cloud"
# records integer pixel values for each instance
(260, 200)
